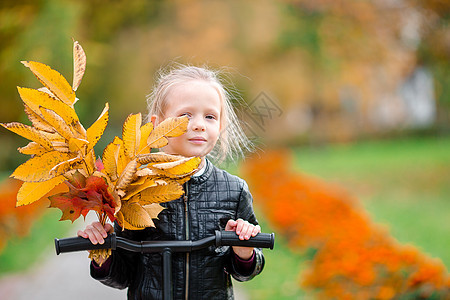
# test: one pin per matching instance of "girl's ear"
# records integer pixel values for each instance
(155, 120)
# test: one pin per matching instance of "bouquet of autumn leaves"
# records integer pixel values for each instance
(126, 184)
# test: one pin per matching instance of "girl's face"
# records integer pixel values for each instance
(201, 103)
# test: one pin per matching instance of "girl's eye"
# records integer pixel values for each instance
(212, 117)
(185, 114)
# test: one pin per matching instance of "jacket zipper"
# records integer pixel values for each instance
(186, 219)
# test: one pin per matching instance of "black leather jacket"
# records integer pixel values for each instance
(211, 200)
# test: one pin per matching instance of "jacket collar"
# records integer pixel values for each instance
(208, 170)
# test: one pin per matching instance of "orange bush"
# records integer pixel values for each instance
(17, 221)
(354, 258)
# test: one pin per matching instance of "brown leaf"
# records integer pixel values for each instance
(79, 64)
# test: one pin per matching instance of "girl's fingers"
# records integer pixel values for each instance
(256, 230)
(245, 232)
(100, 229)
(96, 233)
(231, 225)
(82, 234)
(243, 229)
(239, 226)
(249, 232)
(109, 228)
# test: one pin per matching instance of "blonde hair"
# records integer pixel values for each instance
(232, 141)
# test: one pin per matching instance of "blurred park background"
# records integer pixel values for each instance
(347, 101)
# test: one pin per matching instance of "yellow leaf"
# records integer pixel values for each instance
(146, 129)
(95, 132)
(179, 168)
(170, 127)
(46, 90)
(131, 227)
(29, 132)
(57, 122)
(89, 162)
(54, 81)
(109, 160)
(124, 224)
(153, 210)
(120, 220)
(36, 99)
(37, 121)
(38, 168)
(135, 189)
(136, 215)
(79, 64)
(30, 192)
(32, 148)
(127, 175)
(52, 136)
(119, 155)
(157, 157)
(182, 180)
(139, 181)
(131, 134)
(161, 193)
(65, 166)
(146, 172)
(77, 145)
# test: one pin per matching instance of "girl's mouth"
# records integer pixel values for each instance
(197, 140)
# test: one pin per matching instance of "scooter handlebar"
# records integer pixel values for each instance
(79, 244)
(230, 238)
(221, 238)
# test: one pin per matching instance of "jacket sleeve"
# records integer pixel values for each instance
(123, 265)
(245, 212)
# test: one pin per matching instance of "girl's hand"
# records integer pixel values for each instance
(96, 233)
(244, 230)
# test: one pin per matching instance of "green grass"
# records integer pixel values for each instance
(403, 184)
(22, 253)
(281, 277)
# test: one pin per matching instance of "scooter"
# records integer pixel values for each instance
(166, 248)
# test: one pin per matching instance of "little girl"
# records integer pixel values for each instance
(213, 200)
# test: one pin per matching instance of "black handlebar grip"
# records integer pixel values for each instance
(230, 238)
(79, 244)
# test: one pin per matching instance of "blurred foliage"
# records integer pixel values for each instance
(328, 64)
(350, 257)
(15, 222)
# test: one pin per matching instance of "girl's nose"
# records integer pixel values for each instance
(198, 125)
